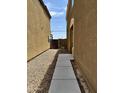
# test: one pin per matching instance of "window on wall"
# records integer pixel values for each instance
(72, 3)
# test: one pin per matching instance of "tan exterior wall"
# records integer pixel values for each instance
(69, 16)
(85, 39)
(38, 29)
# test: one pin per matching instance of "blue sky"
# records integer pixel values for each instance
(57, 9)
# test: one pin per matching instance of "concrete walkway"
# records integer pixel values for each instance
(64, 80)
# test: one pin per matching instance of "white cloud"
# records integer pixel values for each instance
(56, 14)
(54, 10)
(65, 8)
(49, 5)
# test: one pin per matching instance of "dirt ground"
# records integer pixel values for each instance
(40, 71)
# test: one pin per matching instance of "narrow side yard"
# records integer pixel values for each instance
(40, 70)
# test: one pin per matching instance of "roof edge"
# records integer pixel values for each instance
(45, 8)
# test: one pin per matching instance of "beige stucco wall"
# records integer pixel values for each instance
(69, 16)
(85, 39)
(38, 29)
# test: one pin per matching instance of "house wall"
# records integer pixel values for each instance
(38, 29)
(69, 16)
(85, 39)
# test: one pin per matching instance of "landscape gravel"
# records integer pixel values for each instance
(40, 71)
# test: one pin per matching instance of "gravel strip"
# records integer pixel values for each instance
(40, 70)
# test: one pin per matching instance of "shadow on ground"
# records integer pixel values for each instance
(45, 84)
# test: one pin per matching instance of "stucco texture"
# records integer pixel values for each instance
(38, 29)
(85, 39)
